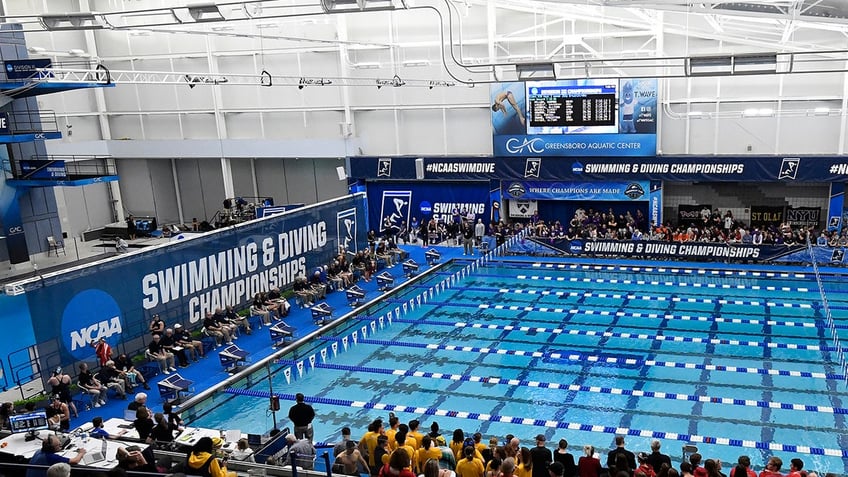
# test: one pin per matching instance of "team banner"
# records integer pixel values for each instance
(522, 209)
(803, 216)
(655, 207)
(395, 204)
(835, 206)
(586, 117)
(182, 280)
(583, 191)
(583, 168)
(660, 250)
(765, 216)
(692, 214)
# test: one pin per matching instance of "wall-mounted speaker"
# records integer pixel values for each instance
(419, 168)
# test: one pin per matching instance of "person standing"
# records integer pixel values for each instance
(479, 232)
(467, 239)
(619, 449)
(541, 457)
(301, 415)
(657, 459)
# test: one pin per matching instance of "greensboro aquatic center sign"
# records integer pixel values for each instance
(651, 249)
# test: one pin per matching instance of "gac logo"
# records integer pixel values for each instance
(535, 145)
(16, 230)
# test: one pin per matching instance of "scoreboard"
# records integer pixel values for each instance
(572, 106)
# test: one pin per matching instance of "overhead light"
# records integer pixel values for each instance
(709, 65)
(695, 114)
(139, 33)
(752, 64)
(71, 21)
(222, 28)
(367, 65)
(822, 111)
(414, 63)
(36, 50)
(337, 6)
(77, 52)
(535, 71)
(199, 12)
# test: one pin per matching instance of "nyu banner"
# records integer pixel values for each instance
(182, 280)
(605, 191)
(397, 203)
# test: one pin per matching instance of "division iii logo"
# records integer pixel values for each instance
(634, 191)
(531, 167)
(395, 208)
(789, 168)
(516, 189)
(384, 167)
(90, 315)
(346, 230)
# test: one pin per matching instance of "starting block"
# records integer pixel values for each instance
(280, 332)
(410, 268)
(433, 256)
(321, 313)
(232, 358)
(355, 296)
(385, 281)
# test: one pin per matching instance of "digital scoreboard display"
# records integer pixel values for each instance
(565, 107)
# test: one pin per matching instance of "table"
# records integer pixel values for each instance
(92, 445)
(17, 445)
(191, 435)
(120, 429)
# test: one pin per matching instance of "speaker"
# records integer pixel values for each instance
(419, 168)
(341, 172)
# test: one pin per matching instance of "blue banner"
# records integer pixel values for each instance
(398, 203)
(115, 298)
(606, 191)
(32, 169)
(5, 126)
(834, 209)
(23, 69)
(655, 215)
(660, 168)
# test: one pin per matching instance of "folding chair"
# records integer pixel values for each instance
(280, 332)
(385, 281)
(410, 268)
(54, 246)
(321, 313)
(355, 296)
(432, 256)
(232, 357)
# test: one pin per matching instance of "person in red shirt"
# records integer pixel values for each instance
(772, 468)
(795, 466)
(588, 465)
(644, 467)
(697, 470)
(102, 350)
(744, 462)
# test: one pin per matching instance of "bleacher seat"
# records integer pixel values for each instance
(280, 332)
(321, 313)
(432, 256)
(175, 388)
(232, 357)
(385, 281)
(410, 268)
(355, 295)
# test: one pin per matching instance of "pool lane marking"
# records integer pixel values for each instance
(675, 270)
(574, 426)
(610, 334)
(661, 316)
(578, 388)
(581, 357)
(633, 296)
(616, 281)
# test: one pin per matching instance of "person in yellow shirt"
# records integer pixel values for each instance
(394, 422)
(456, 443)
(402, 443)
(413, 432)
(469, 466)
(426, 452)
(525, 464)
(478, 443)
(368, 444)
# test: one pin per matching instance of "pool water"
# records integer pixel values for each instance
(734, 361)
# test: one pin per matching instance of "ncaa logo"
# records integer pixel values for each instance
(577, 168)
(384, 167)
(425, 207)
(516, 189)
(575, 247)
(90, 315)
(346, 229)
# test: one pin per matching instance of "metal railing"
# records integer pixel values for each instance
(831, 326)
(66, 167)
(29, 122)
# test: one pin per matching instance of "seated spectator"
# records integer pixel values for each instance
(162, 430)
(276, 298)
(157, 325)
(97, 430)
(202, 456)
(224, 322)
(303, 290)
(213, 329)
(169, 343)
(184, 339)
(139, 401)
(257, 308)
(382, 252)
(89, 384)
(143, 423)
(157, 352)
(134, 460)
(242, 452)
(125, 366)
(319, 288)
(304, 449)
(237, 320)
(49, 454)
(112, 379)
(61, 413)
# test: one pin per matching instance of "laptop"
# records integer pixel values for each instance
(96, 456)
(129, 415)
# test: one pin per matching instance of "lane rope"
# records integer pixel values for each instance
(616, 281)
(552, 424)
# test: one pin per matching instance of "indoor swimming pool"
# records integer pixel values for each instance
(733, 360)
